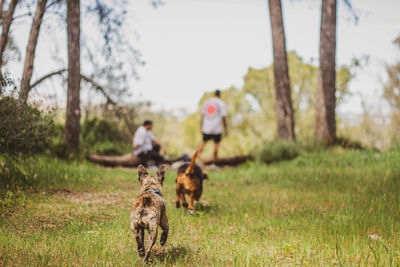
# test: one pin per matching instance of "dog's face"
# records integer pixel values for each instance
(147, 181)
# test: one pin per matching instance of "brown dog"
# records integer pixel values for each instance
(189, 181)
(149, 210)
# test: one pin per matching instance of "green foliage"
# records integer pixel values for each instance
(284, 150)
(11, 175)
(392, 96)
(103, 137)
(347, 143)
(312, 145)
(97, 130)
(392, 86)
(396, 146)
(303, 80)
(192, 131)
(111, 148)
(43, 172)
(23, 128)
(278, 151)
(5, 82)
(9, 200)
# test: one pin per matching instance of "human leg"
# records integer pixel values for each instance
(217, 140)
(201, 146)
(216, 145)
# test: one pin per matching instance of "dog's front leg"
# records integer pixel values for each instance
(184, 203)
(191, 207)
(178, 194)
(177, 202)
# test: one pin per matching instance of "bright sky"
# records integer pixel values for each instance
(194, 46)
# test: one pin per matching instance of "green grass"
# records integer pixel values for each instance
(321, 209)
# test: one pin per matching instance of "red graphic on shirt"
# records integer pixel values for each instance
(211, 109)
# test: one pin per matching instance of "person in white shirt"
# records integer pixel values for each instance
(213, 117)
(143, 145)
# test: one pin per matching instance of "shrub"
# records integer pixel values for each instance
(111, 149)
(11, 176)
(97, 135)
(23, 128)
(314, 145)
(278, 151)
(103, 137)
(346, 142)
(100, 130)
(20, 172)
(395, 147)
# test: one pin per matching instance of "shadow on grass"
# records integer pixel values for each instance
(171, 254)
(205, 207)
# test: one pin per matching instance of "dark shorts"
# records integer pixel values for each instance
(215, 137)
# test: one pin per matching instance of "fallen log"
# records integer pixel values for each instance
(127, 160)
(231, 161)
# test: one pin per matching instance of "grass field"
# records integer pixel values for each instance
(321, 209)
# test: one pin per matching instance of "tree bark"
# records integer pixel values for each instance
(6, 28)
(30, 51)
(325, 121)
(72, 122)
(1, 9)
(284, 110)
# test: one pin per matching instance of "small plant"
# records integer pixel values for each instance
(278, 151)
(10, 199)
(348, 143)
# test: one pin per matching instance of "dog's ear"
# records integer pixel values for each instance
(141, 172)
(205, 176)
(161, 173)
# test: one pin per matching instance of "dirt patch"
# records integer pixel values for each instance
(66, 208)
(120, 199)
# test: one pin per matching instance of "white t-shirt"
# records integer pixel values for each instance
(144, 139)
(213, 110)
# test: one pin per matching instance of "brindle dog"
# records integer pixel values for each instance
(149, 210)
(189, 181)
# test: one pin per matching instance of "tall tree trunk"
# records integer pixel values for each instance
(325, 122)
(1, 9)
(72, 122)
(30, 51)
(6, 28)
(284, 108)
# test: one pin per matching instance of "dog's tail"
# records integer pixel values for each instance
(190, 168)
